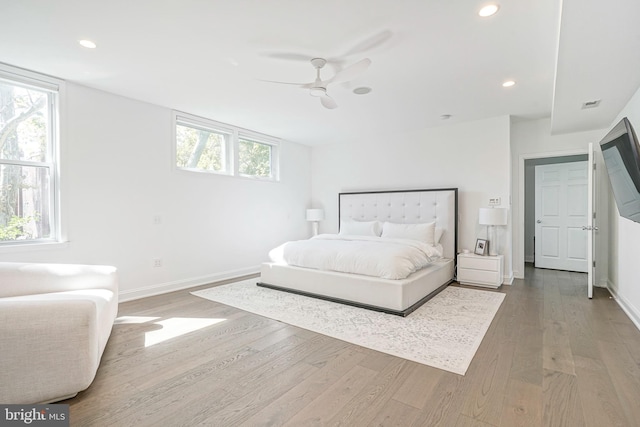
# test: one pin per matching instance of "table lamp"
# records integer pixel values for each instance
(491, 217)
(315, 216)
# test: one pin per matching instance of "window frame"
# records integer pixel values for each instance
(199, 123)
(56, 94)
(264, 140)
(232, 160)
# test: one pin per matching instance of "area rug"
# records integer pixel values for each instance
(444, 333)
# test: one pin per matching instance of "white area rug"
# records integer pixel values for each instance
(444, 333)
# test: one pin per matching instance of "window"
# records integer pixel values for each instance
(28, 142)
(206, 146)
(255, 159)
(199, 148)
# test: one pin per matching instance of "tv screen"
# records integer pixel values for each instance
(621, 153)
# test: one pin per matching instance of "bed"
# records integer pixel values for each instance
(413, 208)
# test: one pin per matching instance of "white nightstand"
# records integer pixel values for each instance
(477, 270)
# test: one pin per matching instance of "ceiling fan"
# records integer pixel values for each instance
(318, 87)
(377, 41)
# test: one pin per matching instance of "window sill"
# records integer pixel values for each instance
(29, 247)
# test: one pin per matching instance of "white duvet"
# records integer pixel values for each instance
(370, 256)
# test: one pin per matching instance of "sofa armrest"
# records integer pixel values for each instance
(28, 279)
(50, 349)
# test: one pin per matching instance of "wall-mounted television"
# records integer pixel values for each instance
(621, 152)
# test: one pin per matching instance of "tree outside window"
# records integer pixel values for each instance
(200, 149)
(254, 159)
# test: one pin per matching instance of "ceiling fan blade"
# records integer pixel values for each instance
(350, 72)
(328, 102)
(289, 56)
(302, 85)
(370, 43)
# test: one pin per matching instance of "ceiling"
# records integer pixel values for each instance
(429, 58)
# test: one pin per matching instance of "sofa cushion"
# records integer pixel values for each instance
(105, 307)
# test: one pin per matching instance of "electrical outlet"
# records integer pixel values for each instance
(157, 262)
(494, 201)
(157, 219)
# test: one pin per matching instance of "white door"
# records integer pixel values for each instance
(590, 227)
(561, 206)
(600, 217)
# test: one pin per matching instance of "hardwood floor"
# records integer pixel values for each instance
(551, 357)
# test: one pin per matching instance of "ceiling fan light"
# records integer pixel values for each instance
(317, 91)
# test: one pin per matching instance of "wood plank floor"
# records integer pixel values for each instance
(551, 357)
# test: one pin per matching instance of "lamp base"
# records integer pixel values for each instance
(315, 225)
(493, 241)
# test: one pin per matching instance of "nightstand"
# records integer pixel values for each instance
(477, 270)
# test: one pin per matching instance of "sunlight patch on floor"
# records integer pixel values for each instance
(124, 320)
(175, 327)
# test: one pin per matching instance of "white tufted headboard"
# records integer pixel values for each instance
(408, 207)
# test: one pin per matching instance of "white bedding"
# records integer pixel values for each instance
(367, 255)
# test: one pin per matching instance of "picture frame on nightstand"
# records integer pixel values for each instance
(482, 247)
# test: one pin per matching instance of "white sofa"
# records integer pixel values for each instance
(55, 320)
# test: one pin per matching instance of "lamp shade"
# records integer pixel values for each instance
(315, 214)
(492, 216)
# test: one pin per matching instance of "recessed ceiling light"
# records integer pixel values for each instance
(363, 90)
(508, 83)
(87, 43)
(488, 10)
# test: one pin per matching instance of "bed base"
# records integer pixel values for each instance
(403, 313)
(399, 297)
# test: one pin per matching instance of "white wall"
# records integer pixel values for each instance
(624, 279)
(473, 156)
(533, 139)
(117, 174)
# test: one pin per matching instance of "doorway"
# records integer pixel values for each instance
(530, 206)
(561, 216)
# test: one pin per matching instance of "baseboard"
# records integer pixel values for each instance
(507, 280)
(163, 288)
(627, 307)
(530, 259)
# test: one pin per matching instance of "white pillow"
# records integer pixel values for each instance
(439, 233)
(360, 228)
(425, 232)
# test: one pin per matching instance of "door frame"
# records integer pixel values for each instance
(519, 221)
(566, 223)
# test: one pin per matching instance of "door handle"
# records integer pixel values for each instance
(539, 222)
(588, 228)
